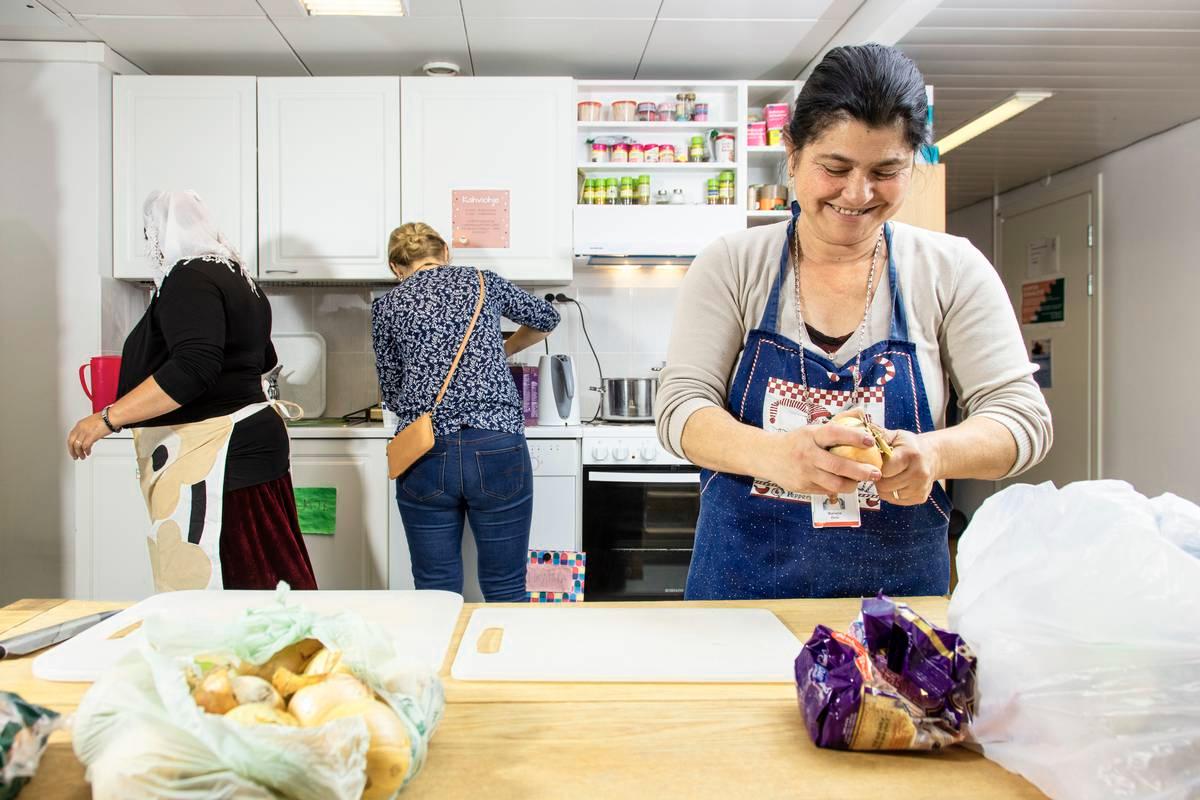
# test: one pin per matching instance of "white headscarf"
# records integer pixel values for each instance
(178, 228)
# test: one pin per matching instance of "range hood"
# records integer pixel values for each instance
(668, 235)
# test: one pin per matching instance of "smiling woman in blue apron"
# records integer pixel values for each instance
(781, 327)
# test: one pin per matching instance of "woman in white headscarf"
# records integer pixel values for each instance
(213, 455)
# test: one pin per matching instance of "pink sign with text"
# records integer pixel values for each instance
(480, 218)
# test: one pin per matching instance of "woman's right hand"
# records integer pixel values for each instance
(800, 461)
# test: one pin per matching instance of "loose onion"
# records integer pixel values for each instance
(311, 703)
(261, 714)
(253, 689)
(327, 662)
(390, 753)
(292, 658)
(215, 692)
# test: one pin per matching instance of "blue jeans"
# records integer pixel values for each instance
(486, 476)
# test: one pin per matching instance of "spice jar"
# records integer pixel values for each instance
(599, 153)
(610, 191)
(701, 112)
(647, 112)
(666, 112)
(752, 196)
(666, 153)
(624, 110)
(625, 194)
(650, 153)
(681, 108)
(643, 190)
(725, 189)
(588, 111)
(585, 196)
(620, 154)
(677, 197)
(689, 100)
(635, 153)
(712, 194)
(661, 198)
(696, 149)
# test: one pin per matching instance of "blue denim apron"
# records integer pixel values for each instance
(753, 540)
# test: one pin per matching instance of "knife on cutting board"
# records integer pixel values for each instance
(26, 643)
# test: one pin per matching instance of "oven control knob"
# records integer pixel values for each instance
(600, 452)
(649, 452)
(536, 462)
(621, 453)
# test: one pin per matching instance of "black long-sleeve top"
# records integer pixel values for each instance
(206, 340)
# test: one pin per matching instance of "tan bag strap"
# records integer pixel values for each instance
(462, 346)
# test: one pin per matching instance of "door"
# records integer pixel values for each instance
(114, 558)
(171, 133)
(1048, 262)
(352, 552)
(328, 177)
(489, 136)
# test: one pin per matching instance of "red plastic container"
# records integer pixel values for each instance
(105, 372)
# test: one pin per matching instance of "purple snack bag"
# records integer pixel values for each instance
(899, 683)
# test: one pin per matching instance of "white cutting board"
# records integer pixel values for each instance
(675, 645)
(302, 380)
(420, 621)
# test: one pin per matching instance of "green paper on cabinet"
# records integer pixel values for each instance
(317, 509)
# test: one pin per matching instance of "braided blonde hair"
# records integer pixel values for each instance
(412, 242)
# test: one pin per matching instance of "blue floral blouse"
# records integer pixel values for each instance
(416, 328)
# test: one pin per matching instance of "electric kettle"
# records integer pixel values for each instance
(558, 391)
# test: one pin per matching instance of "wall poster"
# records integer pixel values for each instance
(479, 218)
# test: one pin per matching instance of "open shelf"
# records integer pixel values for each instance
(607, 125)
(659, 166)
(781, 213)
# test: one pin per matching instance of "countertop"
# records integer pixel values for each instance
(585, 740)
(336, 429)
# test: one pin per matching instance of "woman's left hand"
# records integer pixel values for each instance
(909, 474)
(86, 433)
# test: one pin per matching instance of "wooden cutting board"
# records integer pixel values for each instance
(422, 623)
(577, 643)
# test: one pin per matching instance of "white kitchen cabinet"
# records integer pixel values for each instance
(111, 558)
(328, 177)
(512, 134)
(356, 555)
(112, 561)
(183, 132)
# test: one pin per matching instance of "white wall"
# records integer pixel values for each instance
(1149, 287)
(55, 156)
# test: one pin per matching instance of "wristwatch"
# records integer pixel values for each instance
(104, 416)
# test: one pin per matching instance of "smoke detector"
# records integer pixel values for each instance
(439, 68)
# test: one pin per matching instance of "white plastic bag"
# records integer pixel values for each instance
(142, 735)
(1085, 619)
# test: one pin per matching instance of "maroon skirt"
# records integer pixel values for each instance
(261, 543)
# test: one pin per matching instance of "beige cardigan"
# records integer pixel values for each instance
(959, 316)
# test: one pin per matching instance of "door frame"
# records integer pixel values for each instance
(1049, 193)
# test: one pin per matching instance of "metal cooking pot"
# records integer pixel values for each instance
(628, 399)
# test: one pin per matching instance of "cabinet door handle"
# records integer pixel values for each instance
(288, 271)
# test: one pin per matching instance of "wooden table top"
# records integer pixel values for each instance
(603, 740)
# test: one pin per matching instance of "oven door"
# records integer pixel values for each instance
(639, 527)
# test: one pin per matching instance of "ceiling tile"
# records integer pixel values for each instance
(760, 9)
(560, 9)
(376, 46)
(733, 49)
(22, 20)
(194, 46)
(558, 47)
(163, 8)
(1133, 15)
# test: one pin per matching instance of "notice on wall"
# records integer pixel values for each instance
(480, 218)
(1039, 354)
(1041, 258)
(1044, 301)
(317, 509)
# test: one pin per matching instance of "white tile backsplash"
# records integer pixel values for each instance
(629, 316)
